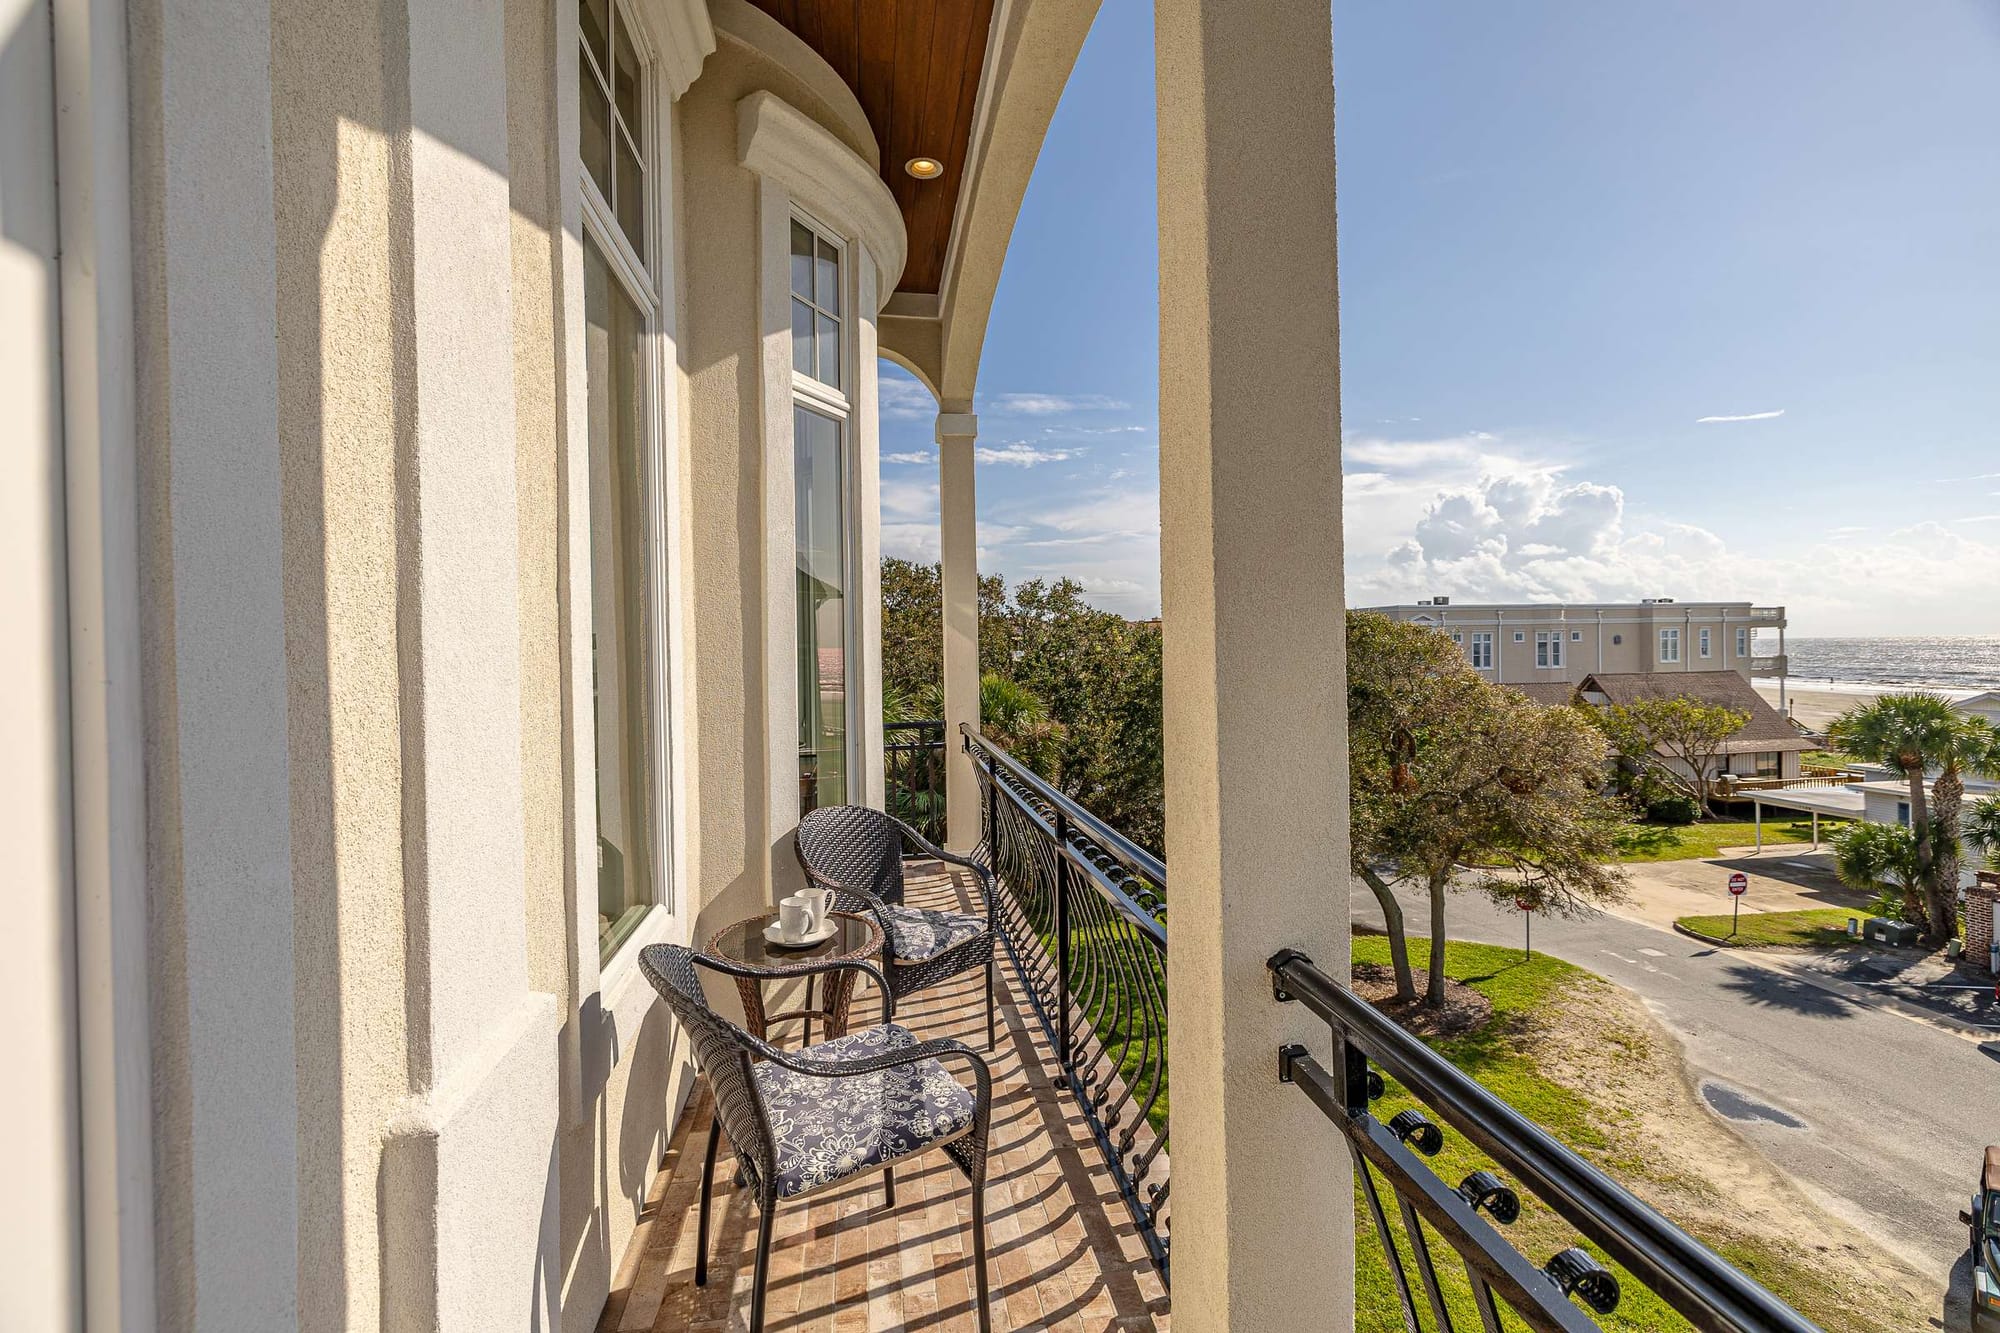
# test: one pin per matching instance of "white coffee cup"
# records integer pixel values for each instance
(821, 903)
(795, 917)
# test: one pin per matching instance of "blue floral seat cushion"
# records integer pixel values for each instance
(826, 1129)
(918, 934)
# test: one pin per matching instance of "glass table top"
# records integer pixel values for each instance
(744, 942)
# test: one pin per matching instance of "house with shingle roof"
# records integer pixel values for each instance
(1768, 745)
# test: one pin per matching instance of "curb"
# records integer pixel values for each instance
(1847, 990)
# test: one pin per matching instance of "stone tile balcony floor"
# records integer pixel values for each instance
(1061, 1245)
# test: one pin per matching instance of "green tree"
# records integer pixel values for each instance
(1096, 676)
(1982, 829)
(1458, 783)
(1675, 742)
(1912, 734)
(1871, 856)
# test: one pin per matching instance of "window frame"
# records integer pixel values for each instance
(1481, 639)
(1670, 635)
(832, 401)
(1705, 641)
(1743, 641)
(646, 279)
(1549, 649)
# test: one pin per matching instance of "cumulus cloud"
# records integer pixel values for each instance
(1053, 404)
(912, 457)
(1742, 416)
(1476, 519)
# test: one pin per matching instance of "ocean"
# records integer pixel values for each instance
(1961, 665)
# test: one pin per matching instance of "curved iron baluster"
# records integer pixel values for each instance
(1083, 916)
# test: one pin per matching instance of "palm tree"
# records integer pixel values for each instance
(1911, 734)
(1982, 829)
(1017, 718)
(1869, 855)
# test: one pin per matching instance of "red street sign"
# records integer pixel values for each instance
(1739, 884)
(1524, 904)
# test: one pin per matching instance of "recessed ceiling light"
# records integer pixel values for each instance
(924, 168)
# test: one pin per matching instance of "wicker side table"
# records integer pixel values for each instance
(855, 937)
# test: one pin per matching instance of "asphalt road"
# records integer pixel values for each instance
(1892, 1113)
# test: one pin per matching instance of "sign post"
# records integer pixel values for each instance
(1527, 925)
(1739, 884)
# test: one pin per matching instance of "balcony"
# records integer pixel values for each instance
(1770, 665)
(1078, 1205)
(1771, 613)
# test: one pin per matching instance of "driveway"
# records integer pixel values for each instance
(1880, 1116)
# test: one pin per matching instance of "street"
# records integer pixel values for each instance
(1890, 1113)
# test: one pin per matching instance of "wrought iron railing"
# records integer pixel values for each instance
(1083, 914)
(1682, 1272)
(913, 766)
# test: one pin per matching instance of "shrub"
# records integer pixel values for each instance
(1673, 809)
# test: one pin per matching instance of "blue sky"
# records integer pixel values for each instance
(1569, 232)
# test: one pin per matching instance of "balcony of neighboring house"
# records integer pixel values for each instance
(1079, 1197)
(1770, 664)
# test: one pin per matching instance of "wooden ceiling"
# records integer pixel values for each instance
(914, 65)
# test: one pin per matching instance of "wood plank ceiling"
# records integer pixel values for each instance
(914, 65)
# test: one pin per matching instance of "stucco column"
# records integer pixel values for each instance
(1256, 792)
(958, 559)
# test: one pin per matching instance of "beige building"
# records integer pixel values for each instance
(442, 520)
(1525, 643)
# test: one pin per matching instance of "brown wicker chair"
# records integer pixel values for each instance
(805, 1121)
(858, 853)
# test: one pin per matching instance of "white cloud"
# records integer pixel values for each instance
(1018, 454)
(900, 398)
(914, 457)
(1093, 430)
(1050, 404)
(1745, 416)
(1481, 525)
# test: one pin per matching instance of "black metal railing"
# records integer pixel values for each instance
(1681, 1271)
(913, 766)
(1083, 913)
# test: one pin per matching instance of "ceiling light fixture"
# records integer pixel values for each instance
(924, 168)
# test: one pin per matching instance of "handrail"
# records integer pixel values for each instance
(1135, 858)
(1082, 911)
(1683, 1272)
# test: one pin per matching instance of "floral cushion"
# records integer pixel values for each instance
(826, 1129)
(919, 934)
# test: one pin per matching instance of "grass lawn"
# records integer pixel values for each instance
(1688, 842)
(1814, 928)
(1507, 1058)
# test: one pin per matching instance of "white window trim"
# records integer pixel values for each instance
(1670, 637)
(805, 170)
(671, 39)
(1707, 643)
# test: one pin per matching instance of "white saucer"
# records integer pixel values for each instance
(776, 936)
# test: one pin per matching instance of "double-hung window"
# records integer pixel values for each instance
(1704, 643)
(1670, 645)
(621, 309)
(1743, 643)
(1482, 652)
(1548, 648)
(821, 488)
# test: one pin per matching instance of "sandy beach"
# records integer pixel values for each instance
(1818, 706)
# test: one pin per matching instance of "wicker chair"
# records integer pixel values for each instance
(804, 1121)
(858, 853)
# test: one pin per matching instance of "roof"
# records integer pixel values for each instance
(1554, 693)
(1767, 729)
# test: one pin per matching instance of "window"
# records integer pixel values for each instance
(815, 306)
(1458, 638)
(1520, 636)
(820, 485)
(1743, 643)
(1576, 636)
(1704, 643)
(1670, 645)
(1548, 648)
(611, 136)
(1903, 813)
(1768, 765)
(620, 310)
(620, 664)
(1482, 652)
